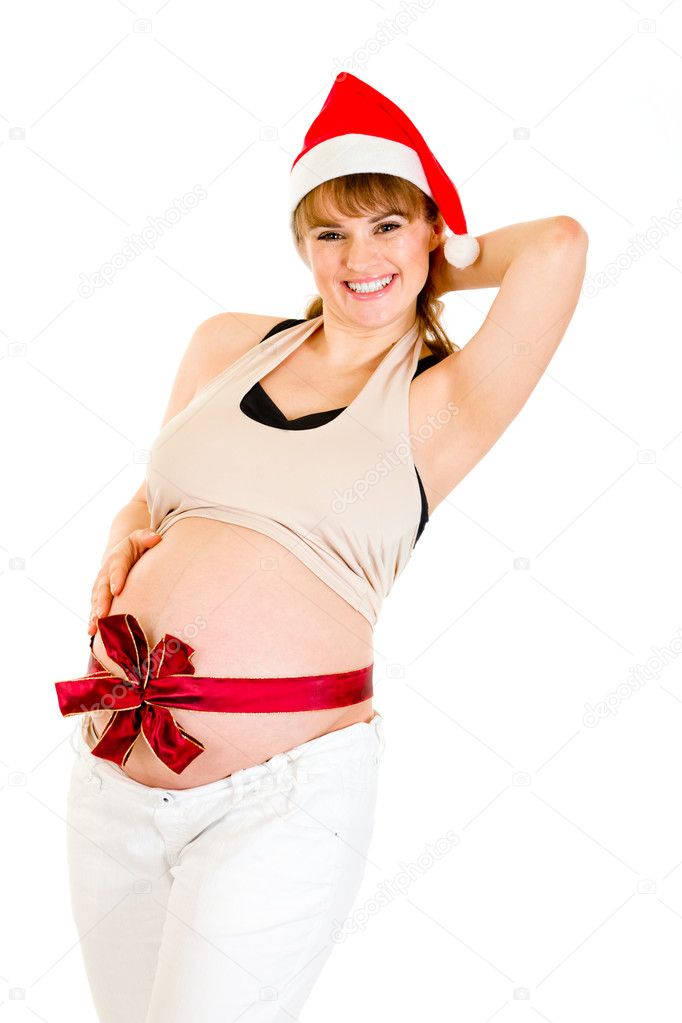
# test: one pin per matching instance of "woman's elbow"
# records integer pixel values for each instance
(568, 230)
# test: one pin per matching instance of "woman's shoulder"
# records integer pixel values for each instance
(223, 338)
(229, 335)
(241, 325)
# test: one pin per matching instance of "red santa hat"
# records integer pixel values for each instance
(359, 130)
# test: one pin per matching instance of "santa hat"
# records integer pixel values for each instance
(358, 130)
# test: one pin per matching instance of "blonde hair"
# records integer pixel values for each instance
(356, 195)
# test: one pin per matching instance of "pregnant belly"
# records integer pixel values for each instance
(248, 607)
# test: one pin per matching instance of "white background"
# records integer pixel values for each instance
(561, 896)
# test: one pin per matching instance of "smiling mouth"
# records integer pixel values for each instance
(370, 287)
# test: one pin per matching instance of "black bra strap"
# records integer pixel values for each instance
(282, 325)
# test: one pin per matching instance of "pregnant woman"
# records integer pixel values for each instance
(222, 799)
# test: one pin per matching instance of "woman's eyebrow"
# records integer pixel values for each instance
(372, 220)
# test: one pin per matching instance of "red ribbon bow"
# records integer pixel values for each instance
(137, 708)
(163, 678)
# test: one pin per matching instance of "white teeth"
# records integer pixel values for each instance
(372, 285)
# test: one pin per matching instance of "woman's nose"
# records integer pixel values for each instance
(360, 256)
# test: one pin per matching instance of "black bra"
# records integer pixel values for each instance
(258, 405)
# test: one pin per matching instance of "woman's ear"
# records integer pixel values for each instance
(437, 233)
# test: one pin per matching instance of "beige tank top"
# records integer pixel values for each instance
(343, 497)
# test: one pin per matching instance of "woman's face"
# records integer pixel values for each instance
(370, 249)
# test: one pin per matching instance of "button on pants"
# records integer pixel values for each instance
(219, 902)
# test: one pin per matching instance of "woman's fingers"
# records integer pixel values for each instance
(105, 590)
(145, 538)
(111, 579)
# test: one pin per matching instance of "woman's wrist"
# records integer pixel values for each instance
(134, 515)
(498, 249)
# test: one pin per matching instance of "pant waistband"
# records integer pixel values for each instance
(305, 760)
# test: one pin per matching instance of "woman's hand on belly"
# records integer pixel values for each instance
(114, 570)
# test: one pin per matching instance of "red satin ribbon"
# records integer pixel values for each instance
(164, 677)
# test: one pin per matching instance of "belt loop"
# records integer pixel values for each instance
(94, 777)
(300, 773)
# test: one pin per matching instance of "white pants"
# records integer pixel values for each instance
(219, 902)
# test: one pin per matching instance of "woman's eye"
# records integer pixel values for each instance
(326, 237)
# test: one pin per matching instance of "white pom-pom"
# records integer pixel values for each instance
(461, 250)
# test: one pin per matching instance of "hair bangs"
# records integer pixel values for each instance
(357, 195)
